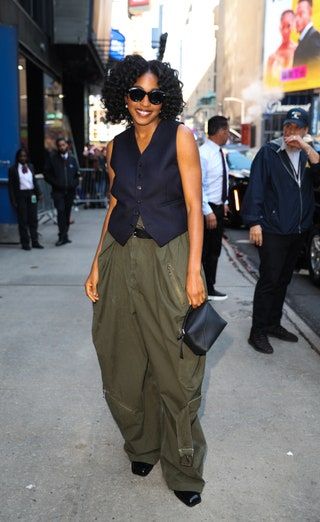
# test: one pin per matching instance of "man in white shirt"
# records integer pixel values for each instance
(214, 198)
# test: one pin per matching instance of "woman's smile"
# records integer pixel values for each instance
(143, 113)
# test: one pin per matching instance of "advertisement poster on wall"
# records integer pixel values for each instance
(292, 44)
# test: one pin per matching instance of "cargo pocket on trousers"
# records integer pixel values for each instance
(179, 291)
(125, 416)
(189, 368)
(184, 423)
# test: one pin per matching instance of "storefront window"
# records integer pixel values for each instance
(23, 101)
(56, 123)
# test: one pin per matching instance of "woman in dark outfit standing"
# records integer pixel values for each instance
(146, 273)
(24, 194)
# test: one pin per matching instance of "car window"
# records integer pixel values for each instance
(237, 161)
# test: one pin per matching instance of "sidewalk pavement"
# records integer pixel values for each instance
(61, 453)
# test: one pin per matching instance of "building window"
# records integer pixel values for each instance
(23, 101)
(27, 6)
(41, 12)
(56, 124)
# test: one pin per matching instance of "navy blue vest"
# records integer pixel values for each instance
(149, 185)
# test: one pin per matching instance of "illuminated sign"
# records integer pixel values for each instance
(136, 7)
(138, 3)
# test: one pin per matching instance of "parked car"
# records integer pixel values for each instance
(313, 246)
(310, 255)
(239, 159)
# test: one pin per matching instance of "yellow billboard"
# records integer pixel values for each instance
(292, 44)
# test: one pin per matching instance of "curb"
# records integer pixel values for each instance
(245, 268)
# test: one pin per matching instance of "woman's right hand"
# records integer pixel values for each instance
(91, 284)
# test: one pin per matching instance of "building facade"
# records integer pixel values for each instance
(258, 77)
(239, 61)
(54, 56)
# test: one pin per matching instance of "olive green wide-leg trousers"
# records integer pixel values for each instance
(153, 394)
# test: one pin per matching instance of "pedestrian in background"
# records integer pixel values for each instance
(214, 199)
(146, 273)
(62, 173)
(278, 207)
(24, 194)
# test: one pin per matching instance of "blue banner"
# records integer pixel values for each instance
(117, 46)
(9, 110)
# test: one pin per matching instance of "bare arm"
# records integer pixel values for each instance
(312, 154)
(297, 141)
(190, 172)
(92, 280)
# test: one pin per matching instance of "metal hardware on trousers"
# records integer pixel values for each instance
(46, 210)
(92, 188)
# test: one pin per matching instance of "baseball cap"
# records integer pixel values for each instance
(298, 116)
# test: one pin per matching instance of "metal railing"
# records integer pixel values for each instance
(46, 210)
(92, 188)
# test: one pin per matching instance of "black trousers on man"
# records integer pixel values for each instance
(278, 257)
(212, 241)
(27, 217)
(63, 202)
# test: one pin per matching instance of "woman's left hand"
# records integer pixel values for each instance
(195, 290)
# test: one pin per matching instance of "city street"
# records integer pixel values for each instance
(61, 453)
(302, 295)
(92, 102)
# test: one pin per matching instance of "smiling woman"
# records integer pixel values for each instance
(147, 272)
(122, 76)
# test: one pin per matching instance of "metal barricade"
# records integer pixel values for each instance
(46, 210)
(92, 188)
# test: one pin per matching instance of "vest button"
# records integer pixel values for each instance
(139, 201)
(136, 213)
(139, 187)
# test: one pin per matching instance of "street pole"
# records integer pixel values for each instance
(237, 100)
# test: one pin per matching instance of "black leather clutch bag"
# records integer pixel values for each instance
(201, 327)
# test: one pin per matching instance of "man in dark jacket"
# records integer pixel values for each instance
(62, 173)
(278, 207)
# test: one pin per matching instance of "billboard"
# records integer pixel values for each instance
(292, 44)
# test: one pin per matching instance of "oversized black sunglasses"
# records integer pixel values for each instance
(136, 94)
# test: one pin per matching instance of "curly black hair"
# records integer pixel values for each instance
(121, 76)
